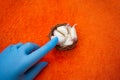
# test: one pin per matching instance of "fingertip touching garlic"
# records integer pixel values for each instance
(67, 36)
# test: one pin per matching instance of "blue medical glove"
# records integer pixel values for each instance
(20, 61)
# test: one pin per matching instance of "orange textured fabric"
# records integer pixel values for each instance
(97, 54)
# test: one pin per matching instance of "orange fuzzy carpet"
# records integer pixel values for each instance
(97, 54)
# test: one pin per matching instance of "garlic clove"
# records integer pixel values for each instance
(56, 33)
(61, 38)
(68, 41)
(68, 28)
(73, 33)
(63, 30)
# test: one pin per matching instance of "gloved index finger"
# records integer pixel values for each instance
(41, 52)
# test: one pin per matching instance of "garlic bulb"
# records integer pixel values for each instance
(66, 34)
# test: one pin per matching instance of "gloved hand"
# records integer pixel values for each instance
(19, 62)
